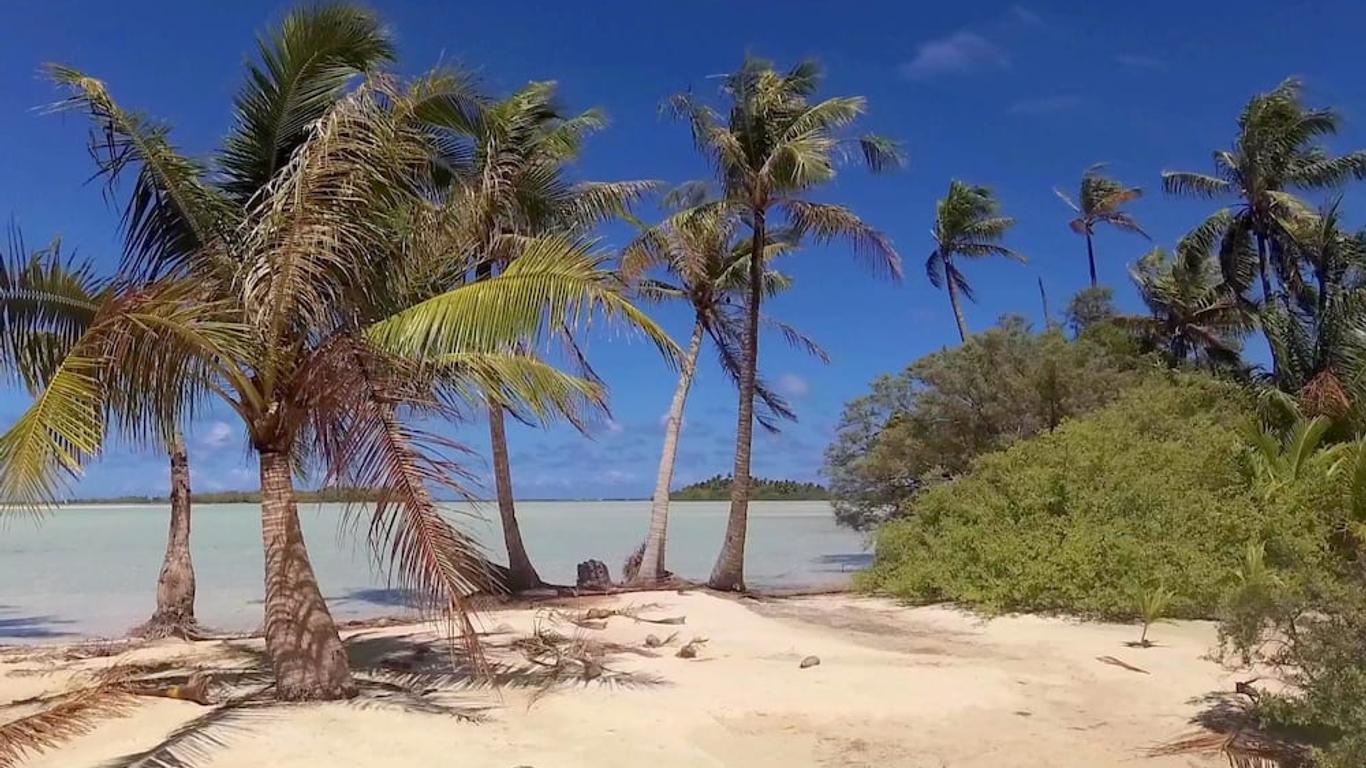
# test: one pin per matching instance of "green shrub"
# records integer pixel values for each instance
(1151, 489)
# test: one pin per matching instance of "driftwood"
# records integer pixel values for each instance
(196, 689)
(593, 574)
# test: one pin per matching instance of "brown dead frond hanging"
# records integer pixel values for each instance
(1324, 395)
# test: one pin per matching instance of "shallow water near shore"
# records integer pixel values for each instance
(89, 571)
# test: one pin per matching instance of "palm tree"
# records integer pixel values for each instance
(285, 285)
(771, 148)
(967, 223)
(47, 302)
(702, 248)
(1321, 346)
(1100, 200)
(1194, 315)
(509, 177)
(1275, 153)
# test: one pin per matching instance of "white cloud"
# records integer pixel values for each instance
(614, 427)
(1046, 105)
(220, 432)
(617, 477)
(792, 385)
(961, 52)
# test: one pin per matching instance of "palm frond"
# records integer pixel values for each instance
(304, 65)
(826, 222)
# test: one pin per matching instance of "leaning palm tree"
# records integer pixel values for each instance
(1194, 315)
(770, 149)
(1099, 201)
(1275, 153)
(508, 168)
(967, 223)
(705, 257)
(284, 285)
(47, 301)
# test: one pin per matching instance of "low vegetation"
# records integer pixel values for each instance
(717, 488)
(1151, 489)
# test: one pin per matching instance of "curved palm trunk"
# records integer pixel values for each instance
(729, 572)
(1091, 258)
(305, 650)
(957, 310)
(652, 558)
(521, 574)
(174, 613)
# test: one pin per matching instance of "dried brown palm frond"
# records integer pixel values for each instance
(64, 716)
(1242, 749)
(355, 392)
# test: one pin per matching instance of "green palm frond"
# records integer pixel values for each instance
(553, 279)
(46, 303)
(1190, 184)
(173, 217)
(826, 222)
(305, 63)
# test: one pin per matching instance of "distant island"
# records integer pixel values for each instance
(327, 495)
(718, 489)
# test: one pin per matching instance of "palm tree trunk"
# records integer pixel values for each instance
(305, 650)
(652, 558)
(521, 574)
(1091, 258)
(174, 613)
(1264, 270)
(957, 310)
(729, 572)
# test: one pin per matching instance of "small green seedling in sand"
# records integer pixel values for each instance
(1151, 603)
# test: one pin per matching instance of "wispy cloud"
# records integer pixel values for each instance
(218, 435)
(970, 50)
(792, 385)
(959, 53)
(1140, 61)
(1045, 105)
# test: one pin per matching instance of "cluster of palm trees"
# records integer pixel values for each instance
(366, 254)
(1271, 261)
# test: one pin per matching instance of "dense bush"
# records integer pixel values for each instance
(1303, 614)
(929, 422)
(1150, 490)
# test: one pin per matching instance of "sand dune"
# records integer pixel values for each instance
(894, 687)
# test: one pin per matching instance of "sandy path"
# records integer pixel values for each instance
(896, 687)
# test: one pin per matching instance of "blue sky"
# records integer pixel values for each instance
(1020, 97)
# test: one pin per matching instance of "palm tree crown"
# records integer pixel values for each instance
(1100, 202)
(967, 223)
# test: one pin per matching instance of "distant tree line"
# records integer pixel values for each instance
(326, 495)
(717, 488)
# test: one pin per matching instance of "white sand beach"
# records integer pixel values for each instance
(895, 686)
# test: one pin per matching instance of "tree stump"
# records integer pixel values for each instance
(593, 574)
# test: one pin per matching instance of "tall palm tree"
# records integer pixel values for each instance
(1321, 345)
(1194, 314)
(967, 223)
(702, 249)
(1275, 154)
(285, 285)
(509, 174)
(771, 148)
(1099, 201)
(47, 302)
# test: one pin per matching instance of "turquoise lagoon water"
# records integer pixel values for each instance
(85, 571)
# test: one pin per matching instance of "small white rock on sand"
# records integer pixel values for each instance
(895, 687)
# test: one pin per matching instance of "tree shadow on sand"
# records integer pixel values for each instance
(1228, 728)
(412, 673)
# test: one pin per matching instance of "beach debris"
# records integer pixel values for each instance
(1112, 661)
(810, 661)
(596, 618)
(689, 651)
(593, 574)
(631, 568)
(653, 641)
(195, 689)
